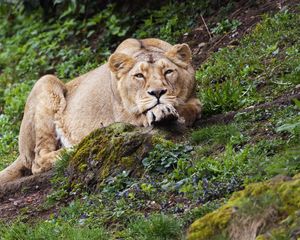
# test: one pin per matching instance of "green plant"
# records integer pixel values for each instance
(218, 134)
(291, 125)
(10, 120)
(60, 181)
(165, 157)
(172, 20)
(118, 183)
(48, 230)
(263, 66)
(160, 227)
(226, 26)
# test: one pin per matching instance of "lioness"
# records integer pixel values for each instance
(144, 82)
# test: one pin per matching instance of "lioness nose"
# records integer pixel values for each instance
(157, 92)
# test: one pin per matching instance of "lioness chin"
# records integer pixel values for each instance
(144, 82)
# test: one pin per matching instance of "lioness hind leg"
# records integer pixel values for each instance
(47, 103)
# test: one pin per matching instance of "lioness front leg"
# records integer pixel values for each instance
(162, 112)
(190, 111)
(44, 161)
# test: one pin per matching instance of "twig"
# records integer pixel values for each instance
(216, 43)
(210, 37)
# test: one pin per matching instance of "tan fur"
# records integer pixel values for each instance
(126, 89)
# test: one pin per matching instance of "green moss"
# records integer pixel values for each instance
(260, 237)
(272, 206)
(128, 161)
(161, 140)
(108, 151)
(211, 224)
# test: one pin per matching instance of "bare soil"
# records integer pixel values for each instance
(25, 195)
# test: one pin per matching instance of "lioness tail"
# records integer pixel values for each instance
(12, 172)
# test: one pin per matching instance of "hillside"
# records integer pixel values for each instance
(234, 175)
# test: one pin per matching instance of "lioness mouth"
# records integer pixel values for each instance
(151, 107)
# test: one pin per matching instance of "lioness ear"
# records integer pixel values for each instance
(120, 63)
(180, 54)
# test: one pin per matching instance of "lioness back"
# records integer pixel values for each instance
(89, 104)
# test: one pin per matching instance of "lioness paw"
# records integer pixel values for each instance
(162, 112)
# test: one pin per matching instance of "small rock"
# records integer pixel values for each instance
(17, 203)
(201, 45)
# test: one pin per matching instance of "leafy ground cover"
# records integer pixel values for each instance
(264, 66)
(184, 180)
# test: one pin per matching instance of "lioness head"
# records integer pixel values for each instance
(150, 72)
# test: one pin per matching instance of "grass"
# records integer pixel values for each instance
(263, 66)
(158, 226)
(49, 231)
(218, 134)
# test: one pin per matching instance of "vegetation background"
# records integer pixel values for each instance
(249, 64)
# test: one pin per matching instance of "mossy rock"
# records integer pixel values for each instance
(109, 151)
(263, 211)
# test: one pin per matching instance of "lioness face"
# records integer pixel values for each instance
(149, 81)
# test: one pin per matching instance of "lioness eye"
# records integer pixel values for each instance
(139, 75)
(169, 71)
